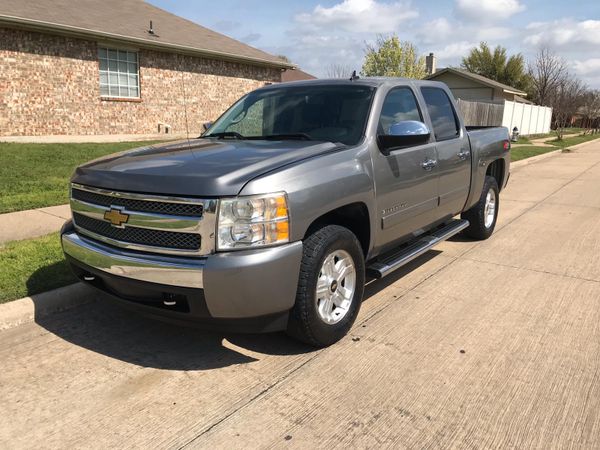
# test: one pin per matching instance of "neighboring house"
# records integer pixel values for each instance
(91, 67)
(485, 102)
(296, 75)
(472, 87)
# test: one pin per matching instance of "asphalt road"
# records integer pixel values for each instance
(475, 345)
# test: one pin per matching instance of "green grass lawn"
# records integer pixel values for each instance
(552, 133)
(32, 266)
(568, 142)
(527, 151)
(37, 175)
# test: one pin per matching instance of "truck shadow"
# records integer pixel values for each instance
(106, 329)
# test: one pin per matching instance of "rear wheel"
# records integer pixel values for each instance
(483, 215)
(330, 287)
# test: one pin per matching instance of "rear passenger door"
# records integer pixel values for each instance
(453, 151)
(405, 185)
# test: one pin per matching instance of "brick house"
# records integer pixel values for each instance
(91, 67)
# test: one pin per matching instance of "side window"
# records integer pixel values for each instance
(400, 104)
(441, 112)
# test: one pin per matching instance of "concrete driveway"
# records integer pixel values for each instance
(475, 345)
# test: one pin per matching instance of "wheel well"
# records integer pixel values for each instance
(354, 216)
(496, 170)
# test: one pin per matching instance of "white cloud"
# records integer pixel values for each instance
(436, 30)
(316, 52)
(487, 10)
(588, 70)
(453, 51)
(587, 67)
(565, 33)
(363, 16)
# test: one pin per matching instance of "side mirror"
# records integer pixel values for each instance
(403, 134)
(206, 125)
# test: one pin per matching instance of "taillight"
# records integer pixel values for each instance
(506, 145)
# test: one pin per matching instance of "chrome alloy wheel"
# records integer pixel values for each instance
(335, 286)
(489, 212)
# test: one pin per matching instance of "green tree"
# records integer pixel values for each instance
(391, 57)
(496, 65)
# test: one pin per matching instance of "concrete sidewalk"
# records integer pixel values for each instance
(491, 344)
(32, 223)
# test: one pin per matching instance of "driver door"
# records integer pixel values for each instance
(406, 179)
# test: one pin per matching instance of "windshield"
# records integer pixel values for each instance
(318, 112)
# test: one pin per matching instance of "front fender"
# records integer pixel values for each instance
(320, 185)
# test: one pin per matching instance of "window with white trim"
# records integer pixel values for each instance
(119, 74)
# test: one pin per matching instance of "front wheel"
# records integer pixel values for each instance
(330, 287)
(483, 215)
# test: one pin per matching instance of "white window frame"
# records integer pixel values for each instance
(119, 72)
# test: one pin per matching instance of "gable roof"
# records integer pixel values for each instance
(478, 78)
(296, 75)
(129, 21)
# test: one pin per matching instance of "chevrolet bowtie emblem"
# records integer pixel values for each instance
(116, 217)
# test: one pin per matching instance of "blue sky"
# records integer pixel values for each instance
(317, 34)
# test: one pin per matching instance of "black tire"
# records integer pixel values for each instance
(305, 324)
(476, 215)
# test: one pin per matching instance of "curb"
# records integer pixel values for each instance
(37, 306)
(583, 144)
(534, 159)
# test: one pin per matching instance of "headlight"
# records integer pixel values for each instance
(253, 221)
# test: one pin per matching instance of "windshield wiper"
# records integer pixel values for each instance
(282, 137)
(225, 134)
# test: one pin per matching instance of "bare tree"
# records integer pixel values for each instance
(335, 70)
(566, 98)
(546, 71)
(590, 111)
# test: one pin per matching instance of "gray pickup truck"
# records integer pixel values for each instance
(275, 216)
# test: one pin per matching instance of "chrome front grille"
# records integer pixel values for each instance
(157, 224)
(175, 209)
(143, 236)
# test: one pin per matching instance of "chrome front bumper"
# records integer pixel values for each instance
(168, 270)
(233, 285)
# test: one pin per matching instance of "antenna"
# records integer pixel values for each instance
(354, 76)
(187, 128)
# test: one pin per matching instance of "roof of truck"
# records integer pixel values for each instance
(366, 81)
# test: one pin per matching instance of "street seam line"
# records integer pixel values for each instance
(545, 272)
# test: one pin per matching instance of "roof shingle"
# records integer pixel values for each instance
(476, 77)
(129, 20)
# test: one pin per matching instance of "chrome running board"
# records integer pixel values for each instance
(387, 263)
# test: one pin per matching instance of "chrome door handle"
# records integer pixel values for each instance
(429, 164)
(463, 154)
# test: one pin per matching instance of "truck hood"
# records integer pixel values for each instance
(200, 167)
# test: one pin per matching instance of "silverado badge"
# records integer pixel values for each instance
(116, 217)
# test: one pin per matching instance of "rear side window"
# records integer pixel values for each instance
(443, 118)
(400, 104)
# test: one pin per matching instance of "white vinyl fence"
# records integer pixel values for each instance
(529, 119)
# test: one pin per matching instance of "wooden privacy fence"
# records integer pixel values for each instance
(529, 119)
(479, 114)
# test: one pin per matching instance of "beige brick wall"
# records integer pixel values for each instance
(49, 85)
